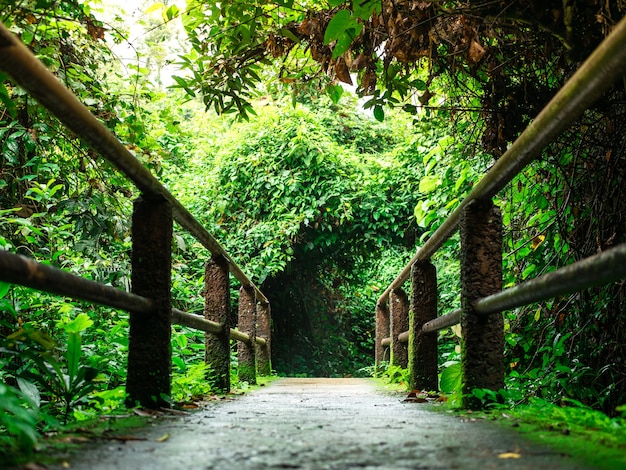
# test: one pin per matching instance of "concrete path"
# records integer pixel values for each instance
(321, 424)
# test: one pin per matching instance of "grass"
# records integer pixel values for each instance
(587, 435)
(590, 437)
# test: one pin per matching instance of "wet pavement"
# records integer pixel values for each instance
(321, 424)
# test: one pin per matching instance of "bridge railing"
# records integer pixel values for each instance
(149, 303)
(400, 320)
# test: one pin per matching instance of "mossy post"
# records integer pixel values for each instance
(247, 325)
(217, 309)
(382, 332)
(263, 352)
(148, 381)
(423, 355)
(399, 313)
(481, 275)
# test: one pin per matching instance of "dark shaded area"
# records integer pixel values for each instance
(311, 333)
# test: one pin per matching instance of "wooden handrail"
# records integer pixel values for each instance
(18, 269)
(199, 323)
(29, 73)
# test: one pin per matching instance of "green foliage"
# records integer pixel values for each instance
(451, 378)
(66, 380)
(396, 375)
(18, 422)
(574, 428)
(191, 384)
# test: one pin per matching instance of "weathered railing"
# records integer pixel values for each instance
(482, 298)
(149, 304)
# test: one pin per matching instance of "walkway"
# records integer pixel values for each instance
(320, 424)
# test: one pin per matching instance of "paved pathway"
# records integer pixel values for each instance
(321, 424)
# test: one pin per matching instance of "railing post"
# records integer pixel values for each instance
(247, 325)
(399, 313)
(263, 353)
(149, 351)
(382, 332)
(423, 355)
(217, 309)
(481, 275)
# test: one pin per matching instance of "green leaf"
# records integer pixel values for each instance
(154, 7)
(334, 92)
(428, 184)
(335, 3)
(288, 34)
(364, 8)
(451, 379)
(171, 13)
(345, 41)
(73, 355)
(379, 113)
(78, 324)
(4, 288)
(337, 26)
(182, 83)
(29, 390)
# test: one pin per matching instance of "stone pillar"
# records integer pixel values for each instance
(149, 350)
(263, 353)
(399, 313)
(247, 325)
(382, 332)
(423, 355)
(481, 275)
(217, 309)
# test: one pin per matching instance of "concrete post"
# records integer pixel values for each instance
(217, 309)
(481, 275)
(423, 355)
(399, 313)
(263, 353)
(148, 381)
(247, 325)
(382, 332)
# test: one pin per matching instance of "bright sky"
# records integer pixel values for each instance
(133, 12)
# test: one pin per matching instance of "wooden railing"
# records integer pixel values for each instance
(149, 303)
(400, 321)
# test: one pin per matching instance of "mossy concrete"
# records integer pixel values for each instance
(321, 424)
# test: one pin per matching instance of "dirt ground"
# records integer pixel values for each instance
(321, 424)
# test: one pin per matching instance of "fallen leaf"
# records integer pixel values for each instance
(415, 400)
(163, 438)
(127, 438)
(510, 455)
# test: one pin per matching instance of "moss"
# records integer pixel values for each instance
(589, 436)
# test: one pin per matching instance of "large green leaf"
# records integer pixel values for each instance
(338, 25)
(429, 183)
(78, 324)
(73, 355)
(451, 378)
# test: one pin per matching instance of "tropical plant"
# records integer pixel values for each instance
(67, 381)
